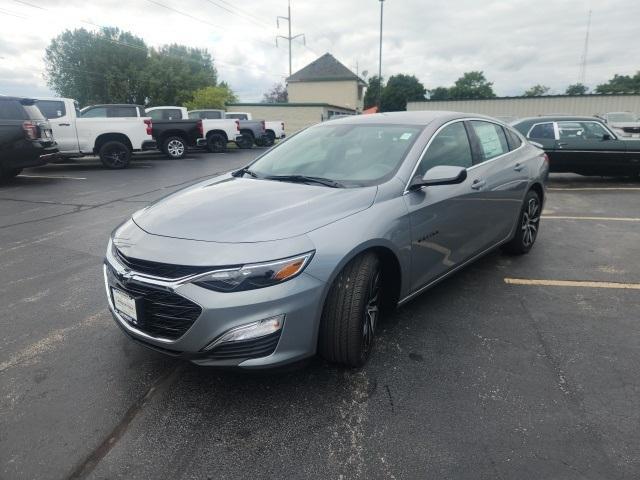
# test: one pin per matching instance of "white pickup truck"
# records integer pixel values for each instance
(112, 139)
(274, 128)
(217, 132)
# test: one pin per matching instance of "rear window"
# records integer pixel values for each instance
(12, 110)
(128, 111)
(542, 131)
(165, 114)
(513, 139)
(97, 112)
(51, 109)
(237, 116)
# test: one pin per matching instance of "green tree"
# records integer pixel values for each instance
(277, 94)
(621, 84)
(439, 93)
(472, 85)
(102, 67)
(174, 72)
(576, 89)
(399, 90)
(212, 97)
(537, 91)
(373, 90)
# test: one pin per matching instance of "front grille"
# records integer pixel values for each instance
(632, 129)
(157, 269)
(161, 313)
(254, 348)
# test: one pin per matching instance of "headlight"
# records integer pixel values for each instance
(257, 275)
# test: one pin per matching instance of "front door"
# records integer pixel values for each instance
(442, 217)
(586, 147)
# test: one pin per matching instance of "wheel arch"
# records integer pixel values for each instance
(111, 137)
(173, 133)
(217, 132)
(539, 189)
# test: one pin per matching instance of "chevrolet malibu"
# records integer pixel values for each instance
(303, 250)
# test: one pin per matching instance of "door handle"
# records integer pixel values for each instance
(64, 124)
(478, 183)
(562, 144)
(518, 167)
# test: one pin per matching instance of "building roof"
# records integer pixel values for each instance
(324, 69)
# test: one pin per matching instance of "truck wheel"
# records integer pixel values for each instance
(174, 148)
(351, 312)
(9, 173)
(216, 143)
(245, 142)
(271, 138)
(115, 155)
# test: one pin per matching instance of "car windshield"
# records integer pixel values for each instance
(354, 155)
(621, 117)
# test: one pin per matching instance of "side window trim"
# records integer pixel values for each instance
(556, 131)
(476, 158)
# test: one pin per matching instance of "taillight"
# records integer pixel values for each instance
(149, 124)
(238, 125)
(200, 128)
(263, 125)
(282, 124)
(546, 159)
(30, 130)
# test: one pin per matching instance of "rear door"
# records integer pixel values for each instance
(587, 147)
(501, 177)
(62, 124)
(442, 217)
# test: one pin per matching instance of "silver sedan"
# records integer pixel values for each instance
(305, 249)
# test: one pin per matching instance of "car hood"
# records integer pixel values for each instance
(230, 209)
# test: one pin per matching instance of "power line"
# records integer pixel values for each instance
(240, 14)
(11, 14)
(246, 14)
(289, 38)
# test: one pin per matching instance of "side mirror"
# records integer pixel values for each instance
(440, 175)
(606, 136)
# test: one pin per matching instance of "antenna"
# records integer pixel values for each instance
(585, 51)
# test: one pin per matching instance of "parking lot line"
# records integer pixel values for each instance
(572, 283)
(607, 219)
(53, 176)
(584, 189)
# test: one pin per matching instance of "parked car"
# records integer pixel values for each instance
(175, 137)
(305, 248)
(274, 128)
(583, 145)
(255, 131)
(112, 139)
(26, 139)
(113, 111)
(624, 124)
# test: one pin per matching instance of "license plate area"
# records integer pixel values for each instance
(126, 305)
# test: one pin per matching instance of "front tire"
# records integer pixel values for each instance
(174, 148)
(527, 227)
(9, 173)
(216, 143)
(351, 312)
(245, 142)
(271, 139)
(115, 155)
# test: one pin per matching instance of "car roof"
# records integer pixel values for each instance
(423, 117)
(114, 105)
(555, 118)
(26, 100)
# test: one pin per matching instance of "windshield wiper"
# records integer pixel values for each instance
(306, 179)
(242, 171)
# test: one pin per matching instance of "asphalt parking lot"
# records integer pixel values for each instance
(501, 371)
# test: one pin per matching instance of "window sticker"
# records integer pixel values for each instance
(405, 136)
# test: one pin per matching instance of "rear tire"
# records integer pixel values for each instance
(174, 148)
(216, 143)
(351, 312)
(115, 155)
(271, 138)
(527, 227)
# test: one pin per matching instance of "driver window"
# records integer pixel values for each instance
(449, 147)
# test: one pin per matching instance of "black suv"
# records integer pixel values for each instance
(25, 136)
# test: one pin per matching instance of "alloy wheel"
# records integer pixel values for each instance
(115, 156)
(175, 148)
(371, 314)
(530, 222)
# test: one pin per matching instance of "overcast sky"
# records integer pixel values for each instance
(517, 43)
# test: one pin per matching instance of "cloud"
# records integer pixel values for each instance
(517, 43)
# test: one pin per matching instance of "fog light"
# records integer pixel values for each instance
(249, 331)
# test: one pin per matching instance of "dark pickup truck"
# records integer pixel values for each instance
(174, 137)
(25, 137)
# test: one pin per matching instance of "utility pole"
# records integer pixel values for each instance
(380, 57)
(583, 60)
(289, 38)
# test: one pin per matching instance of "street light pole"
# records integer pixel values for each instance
(380, 58)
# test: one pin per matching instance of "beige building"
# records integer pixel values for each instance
(326, 80)
(519, 107)
(295, 116)
(317, 92)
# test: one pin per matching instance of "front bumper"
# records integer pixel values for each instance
(299, 300)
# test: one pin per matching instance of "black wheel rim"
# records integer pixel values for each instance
(115, 156)
(371, 314)
(530, 222)
(217, 144)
